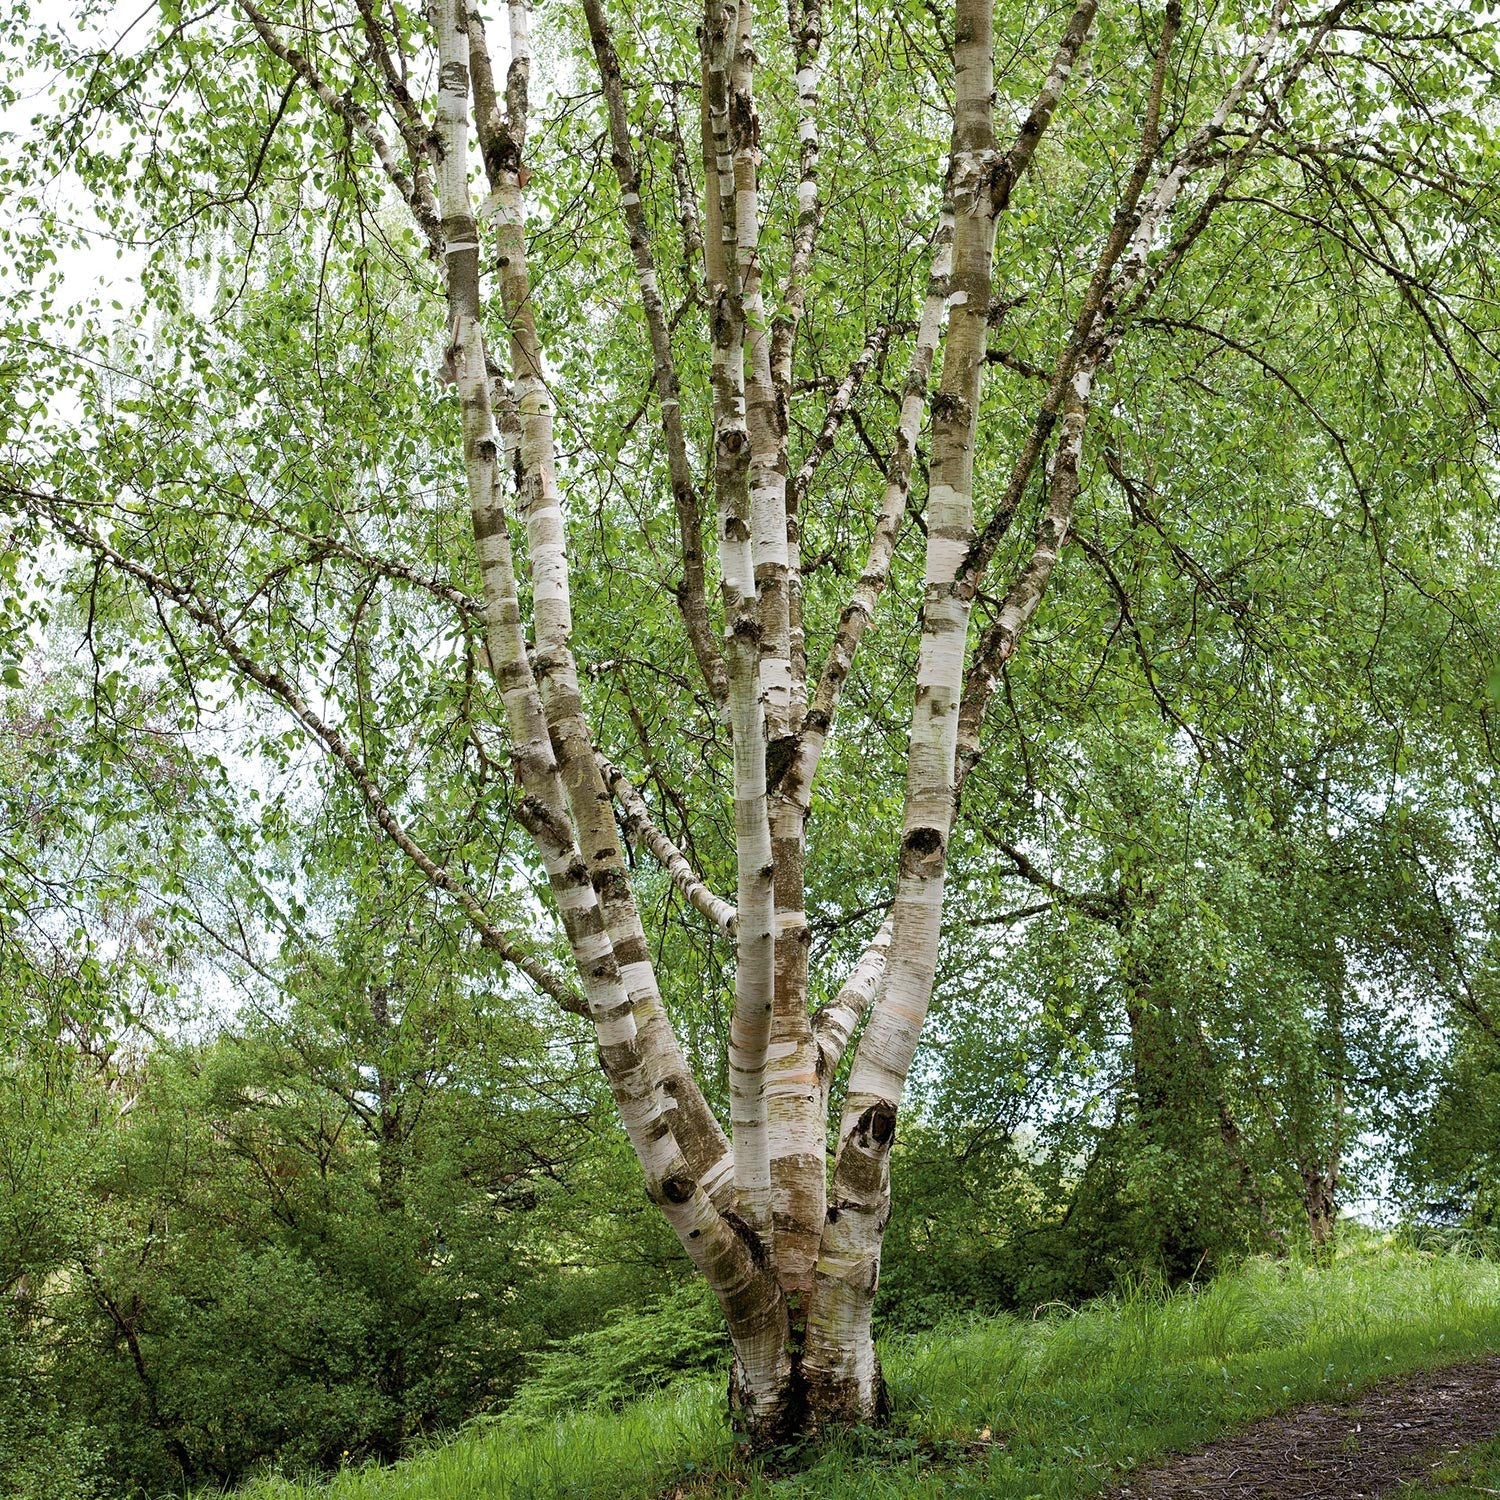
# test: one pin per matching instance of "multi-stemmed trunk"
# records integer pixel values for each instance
(788, 1240)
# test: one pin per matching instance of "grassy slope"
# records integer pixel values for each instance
(1074, 1396)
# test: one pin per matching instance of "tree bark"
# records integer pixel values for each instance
(844, 1379)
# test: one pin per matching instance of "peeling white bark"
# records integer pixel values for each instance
(835, 1023)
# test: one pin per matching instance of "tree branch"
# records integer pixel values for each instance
(413, 187)
(833, 418)
(285, 693)
(797, 784)
(1127, 614)
(692, 595)
(642, 830)
(834, 1023)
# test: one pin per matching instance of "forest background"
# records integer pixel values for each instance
(300, 1166)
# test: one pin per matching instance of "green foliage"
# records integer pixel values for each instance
(1245, 759)
(1449, 1167)
(226, 1281)
(637, 1351)
(323, 1228)
(47, 1452)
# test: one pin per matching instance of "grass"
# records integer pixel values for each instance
(1040, 1408)
(1469, 1475)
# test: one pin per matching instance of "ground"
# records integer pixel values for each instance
(1066, 1404)
(1405, 1437)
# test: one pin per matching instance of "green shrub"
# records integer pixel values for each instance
(681, 1333)
(44, 1453)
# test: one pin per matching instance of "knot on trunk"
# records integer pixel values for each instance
(949, 407)
(744, 121)
(780, 753)
(677, 1190)
(731, 444)
(922, 852)
(879, 1123)
(753, 1242)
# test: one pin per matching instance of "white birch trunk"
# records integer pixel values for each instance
(727, 1258)
(843, 1374)
(840, 1367)
(750, 1021)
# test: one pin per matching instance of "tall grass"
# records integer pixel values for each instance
(1016, 1408)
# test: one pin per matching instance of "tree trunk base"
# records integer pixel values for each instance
(766, 1420)
(808, 1406)
(835, 1402)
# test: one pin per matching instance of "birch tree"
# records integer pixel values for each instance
(748, 239)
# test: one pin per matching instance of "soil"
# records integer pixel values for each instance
(1394, 1431)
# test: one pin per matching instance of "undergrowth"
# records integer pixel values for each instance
(1040, 1408)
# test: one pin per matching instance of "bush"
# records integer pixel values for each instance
(44, 1455)
(681, 1333)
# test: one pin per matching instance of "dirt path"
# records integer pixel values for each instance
(1396, 1430)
